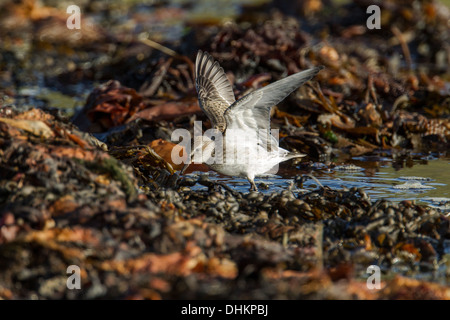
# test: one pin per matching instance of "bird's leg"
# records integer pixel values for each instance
(253, 185)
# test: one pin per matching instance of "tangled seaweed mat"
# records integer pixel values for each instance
(64, 201)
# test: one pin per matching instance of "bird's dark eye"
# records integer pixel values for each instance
(213, 138)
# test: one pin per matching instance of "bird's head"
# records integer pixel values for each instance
(201, 152)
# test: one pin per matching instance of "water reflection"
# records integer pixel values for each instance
(425, 183)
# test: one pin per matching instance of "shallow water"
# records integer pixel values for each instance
(424, 183)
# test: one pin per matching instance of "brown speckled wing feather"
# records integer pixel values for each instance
(215, 93)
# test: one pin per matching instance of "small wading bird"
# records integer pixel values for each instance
(255, 151)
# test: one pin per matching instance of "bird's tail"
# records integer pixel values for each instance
(292, 155)
(289, 154)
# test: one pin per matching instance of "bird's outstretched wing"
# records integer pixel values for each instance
(253, 110)
(215, 93)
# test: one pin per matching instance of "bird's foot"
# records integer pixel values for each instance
(253, 186)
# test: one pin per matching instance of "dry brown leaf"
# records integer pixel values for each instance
(35, 127)
(295, 120)
(164, 149)
(167, 111)
(370, 114)
(224, 268)
(336, 121)
(177, 263)
(76, 234)
(35, 114)
(72, 152)
(411, 289)
(63, 205)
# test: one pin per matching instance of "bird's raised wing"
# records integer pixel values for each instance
(215, 93)
(253, 110)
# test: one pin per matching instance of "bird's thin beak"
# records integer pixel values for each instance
(185, 167)
(189, 161)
